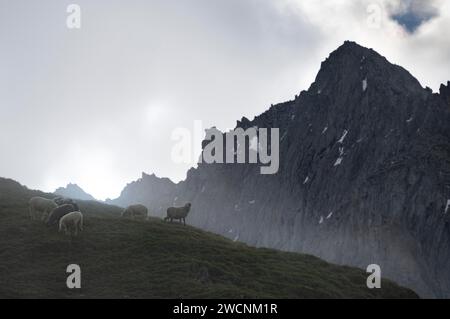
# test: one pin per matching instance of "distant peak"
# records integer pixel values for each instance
(73, 191)
(145, 175)
(154, 178)
(72, 185)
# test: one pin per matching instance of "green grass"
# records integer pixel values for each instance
(151, 259)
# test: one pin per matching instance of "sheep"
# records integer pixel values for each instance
(72, 221)
(59, 212)
(40, 205)
(135, 211)
(59, 200)
(62, 201)
(178, 213)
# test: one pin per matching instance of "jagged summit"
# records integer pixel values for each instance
(153, 177)
(352, 80)
(444, 91)
(352, 67)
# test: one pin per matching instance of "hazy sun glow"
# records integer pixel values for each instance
(91, 169)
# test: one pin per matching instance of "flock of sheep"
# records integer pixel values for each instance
(59, 211)
(65, 213)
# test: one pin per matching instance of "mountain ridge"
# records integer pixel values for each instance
(364, 175)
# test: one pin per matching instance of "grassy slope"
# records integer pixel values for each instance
(130, 259)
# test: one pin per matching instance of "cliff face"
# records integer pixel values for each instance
(364, 175)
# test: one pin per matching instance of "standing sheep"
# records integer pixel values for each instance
(135, 211)
(59, 212)
(179, 213)
(41, 205)
(71, 223)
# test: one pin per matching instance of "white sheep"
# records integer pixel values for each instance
(72, 221)
(40, 205)
(179, 213)
(135, 211)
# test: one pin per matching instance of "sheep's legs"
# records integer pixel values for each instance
(33, 214)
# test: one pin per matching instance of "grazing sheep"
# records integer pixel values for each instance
(58, 200)
(178, 213)
(59, 212)
(135, 211)
(62, 201)
(41, 205)
(71, 223)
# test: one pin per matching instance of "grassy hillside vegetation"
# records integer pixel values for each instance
(151, 259)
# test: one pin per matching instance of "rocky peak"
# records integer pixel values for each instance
(73, 191)
(444, 92)
(353, 68)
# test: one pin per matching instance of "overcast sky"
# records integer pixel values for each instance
(98, 105)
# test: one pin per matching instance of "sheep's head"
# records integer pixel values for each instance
(58, 200)
(188, 206)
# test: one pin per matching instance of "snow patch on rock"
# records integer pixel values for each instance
(338, 161)
(344, 135)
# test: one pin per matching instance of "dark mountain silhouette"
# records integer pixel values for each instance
(364, 175)
(73, 191)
